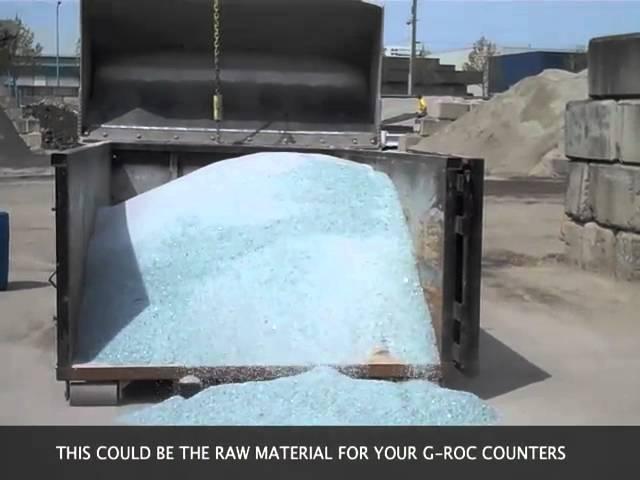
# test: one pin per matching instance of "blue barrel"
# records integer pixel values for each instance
(4, 250)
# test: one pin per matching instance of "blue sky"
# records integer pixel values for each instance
(443, 25)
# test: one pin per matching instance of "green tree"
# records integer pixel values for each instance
(478, 60)
(8, 34)
(19, 48)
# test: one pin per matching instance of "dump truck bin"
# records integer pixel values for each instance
(298, 75)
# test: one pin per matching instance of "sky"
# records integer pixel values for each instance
(443, 25)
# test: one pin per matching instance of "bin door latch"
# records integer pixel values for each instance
(217, 41)
(463, 326)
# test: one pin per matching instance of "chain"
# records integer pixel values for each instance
(217, 96)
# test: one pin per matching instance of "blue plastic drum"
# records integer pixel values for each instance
(4, 250)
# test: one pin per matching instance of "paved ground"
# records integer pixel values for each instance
(558, 346)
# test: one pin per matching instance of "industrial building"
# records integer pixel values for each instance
(437, 74)
(405, 51)
(512, 64)
(38, 78)
(508, 69)
(430, 77)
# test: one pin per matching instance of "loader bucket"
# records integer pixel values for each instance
(289, 65)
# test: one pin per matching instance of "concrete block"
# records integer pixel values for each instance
(427, 126)
(629, 141)
(32, 140)
(405, 142)
(592, 130)
(578, 197)
(447, 110)
(615, 195)
(572, 235)
(598, 249)
(27, 125)
(475, 104)
(614, 66)
(21, 126)
(628, 257)
(559, 166)
(8, 102)
(14, 113)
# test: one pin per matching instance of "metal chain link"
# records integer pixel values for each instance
(217, 41)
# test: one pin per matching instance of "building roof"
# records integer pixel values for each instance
(51, 61)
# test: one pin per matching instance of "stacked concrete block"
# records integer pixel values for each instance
(32, 140)
(598, 248)
(592, 130)
(427, 126)
(448, 110)
(602, 139)
(629, 137)
(577, 199)
(406, 142)
(572, 235)
(615, 196)
(628, 256)
(614, 66)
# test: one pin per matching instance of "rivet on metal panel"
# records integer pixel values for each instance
(249, 140)
(213, 137)
(105, 134)
(85, 133)
(176, 137)
(323, 141)
(138, 136)
(355, 141)
(374, 140)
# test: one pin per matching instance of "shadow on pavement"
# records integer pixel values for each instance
(502, 370)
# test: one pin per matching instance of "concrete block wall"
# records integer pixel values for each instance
(601, 230)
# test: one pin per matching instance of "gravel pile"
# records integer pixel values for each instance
(321, 397)
(269, 259)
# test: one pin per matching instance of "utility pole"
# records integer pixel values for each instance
(412, 59)
(58, 43)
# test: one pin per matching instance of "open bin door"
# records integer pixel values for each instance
(304, 72)
(441, 197)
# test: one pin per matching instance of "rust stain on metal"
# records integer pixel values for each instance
(430, 240)
(433, 297)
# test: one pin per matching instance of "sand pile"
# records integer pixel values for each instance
(321, 397)
(518, 132)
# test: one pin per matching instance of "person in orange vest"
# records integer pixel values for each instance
(422, 106)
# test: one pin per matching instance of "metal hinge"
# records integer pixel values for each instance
(463, 187)
(462, 229)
